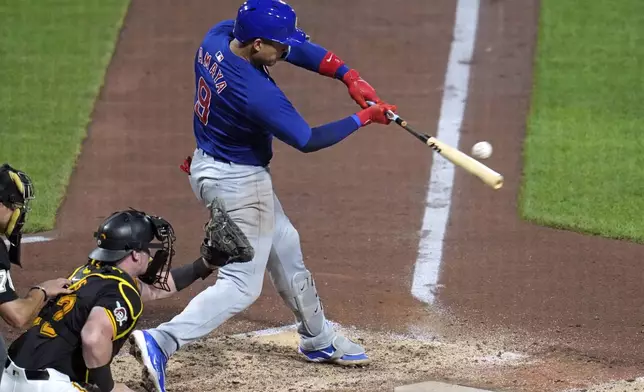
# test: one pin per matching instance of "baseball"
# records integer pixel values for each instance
(482, 150)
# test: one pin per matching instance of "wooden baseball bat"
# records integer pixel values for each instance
(458, 158)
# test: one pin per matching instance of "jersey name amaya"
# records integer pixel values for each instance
(204, 93)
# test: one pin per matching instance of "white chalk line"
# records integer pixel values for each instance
(31, 239)
(439, 194)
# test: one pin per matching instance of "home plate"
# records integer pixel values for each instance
(282, 336)
(432, 386)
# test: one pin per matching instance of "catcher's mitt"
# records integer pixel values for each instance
(225, 242)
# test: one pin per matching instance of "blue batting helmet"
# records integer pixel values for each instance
(268, 19)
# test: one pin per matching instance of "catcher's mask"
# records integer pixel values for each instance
(16, 193)
(127, 231)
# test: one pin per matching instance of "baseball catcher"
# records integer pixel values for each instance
(72, 342)
(238, 110)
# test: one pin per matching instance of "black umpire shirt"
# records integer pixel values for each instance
(7, 291)
(54, 339)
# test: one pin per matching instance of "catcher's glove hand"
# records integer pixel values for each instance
(225, 242)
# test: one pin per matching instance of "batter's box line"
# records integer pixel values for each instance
(31, 239)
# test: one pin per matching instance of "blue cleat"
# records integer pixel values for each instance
(147, 352)
(342, 351)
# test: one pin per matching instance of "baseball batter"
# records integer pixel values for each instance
(238, 109)
(72, 342)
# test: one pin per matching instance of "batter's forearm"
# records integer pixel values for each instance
(316, 58)
(330, 134)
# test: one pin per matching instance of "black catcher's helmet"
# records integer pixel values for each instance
(126, 231)
(16, 192)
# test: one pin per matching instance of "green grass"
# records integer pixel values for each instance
(584, 151)
(53, 58)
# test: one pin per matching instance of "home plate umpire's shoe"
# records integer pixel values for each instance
(342, 351)
(145, 349)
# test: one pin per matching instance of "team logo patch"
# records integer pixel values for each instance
(219, 56)
(120, 314)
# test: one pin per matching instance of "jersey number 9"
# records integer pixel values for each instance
(202, 106)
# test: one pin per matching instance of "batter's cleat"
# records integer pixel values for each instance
(342, 351)
(147, 352)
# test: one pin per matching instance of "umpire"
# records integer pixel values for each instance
(16, 192)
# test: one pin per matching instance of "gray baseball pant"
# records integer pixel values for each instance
(247, 192)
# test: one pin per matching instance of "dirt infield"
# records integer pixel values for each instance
(523, 308)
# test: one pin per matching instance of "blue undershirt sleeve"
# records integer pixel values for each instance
(329, 134)
(275, 113)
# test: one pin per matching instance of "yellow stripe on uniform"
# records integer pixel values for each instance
(76, 271)
(113, 321)
(122, 282)
(78, 387)
(129, 305)
(74, 286)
